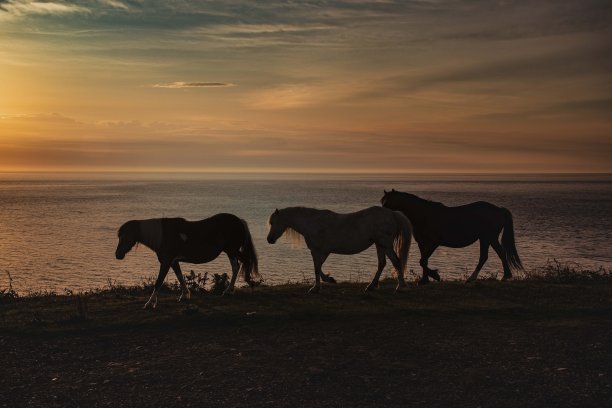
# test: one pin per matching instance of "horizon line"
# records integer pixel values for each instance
(306, 172)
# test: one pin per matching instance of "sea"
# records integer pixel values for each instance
(58, 232)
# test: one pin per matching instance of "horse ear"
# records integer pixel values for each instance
(276, 212)
(393, 190)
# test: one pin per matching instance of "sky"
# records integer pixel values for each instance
(306, 86)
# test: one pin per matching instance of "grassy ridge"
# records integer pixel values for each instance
(116, 309)
(554, 289)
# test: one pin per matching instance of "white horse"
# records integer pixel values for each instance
(326, 232)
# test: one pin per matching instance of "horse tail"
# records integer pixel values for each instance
(403, 237)
(249, 268)
(508, 242)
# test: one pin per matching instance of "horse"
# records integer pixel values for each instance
(327, 232)
(177, 240)
(438, 225)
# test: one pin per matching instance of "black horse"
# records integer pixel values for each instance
(176, 240)
(435, 225)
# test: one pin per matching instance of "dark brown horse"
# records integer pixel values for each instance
(437, 225)
(176, 240)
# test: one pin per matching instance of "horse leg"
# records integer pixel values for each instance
(324, 276)
(401, 283)
(235, 269)
(318, 260)
(484, 255)
(179, 275)
(164, 267)
(426, 251)
(502, 255)
(382, 261)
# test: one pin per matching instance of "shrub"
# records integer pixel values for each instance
(570, 272)
(196, 282)
(220, 282)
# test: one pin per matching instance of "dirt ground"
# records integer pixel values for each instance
(485, 346)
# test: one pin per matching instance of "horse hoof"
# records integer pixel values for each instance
(314, 289)
(506, 277)
(401, 287)
(331, 280)
(434, 274)
(423, 282)
(371, 288)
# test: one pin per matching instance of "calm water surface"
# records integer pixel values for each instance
(59, 231)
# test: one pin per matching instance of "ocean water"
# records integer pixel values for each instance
(58, 231)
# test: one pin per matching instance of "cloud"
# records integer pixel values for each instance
(457, 67)
(531, 68)
(255, 29)
(598, 108)
(115, 4)
(181, 85)
(57, 142)
(38, 117)
(496, 76)
(23, 7)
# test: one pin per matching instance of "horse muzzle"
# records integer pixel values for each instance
(271, 240)
(119, 255)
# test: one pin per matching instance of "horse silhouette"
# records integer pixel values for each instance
(327, 232)
(177, 240)
(438, 225)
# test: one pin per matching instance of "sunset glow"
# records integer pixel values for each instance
(336, 86)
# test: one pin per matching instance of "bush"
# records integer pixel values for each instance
(555, 271)
(220, 283)
(196, 282)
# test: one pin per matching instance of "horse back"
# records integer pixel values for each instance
(370, 215)
(363, 224)
(475, 210)
(215, 224)
(216, 233)
(350, 233)
(462, 225)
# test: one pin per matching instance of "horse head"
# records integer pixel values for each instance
(389, 199)
(277, 227)
(386, 193)
(128, 237)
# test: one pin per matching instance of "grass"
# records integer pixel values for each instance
(558, 272)
(196, 282)
(550, 290)
(553, 271)
(8, 293)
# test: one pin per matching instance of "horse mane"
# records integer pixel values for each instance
(294, 237)
(303, 210)
(419, 199)
(151, 232)
(131, 226)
